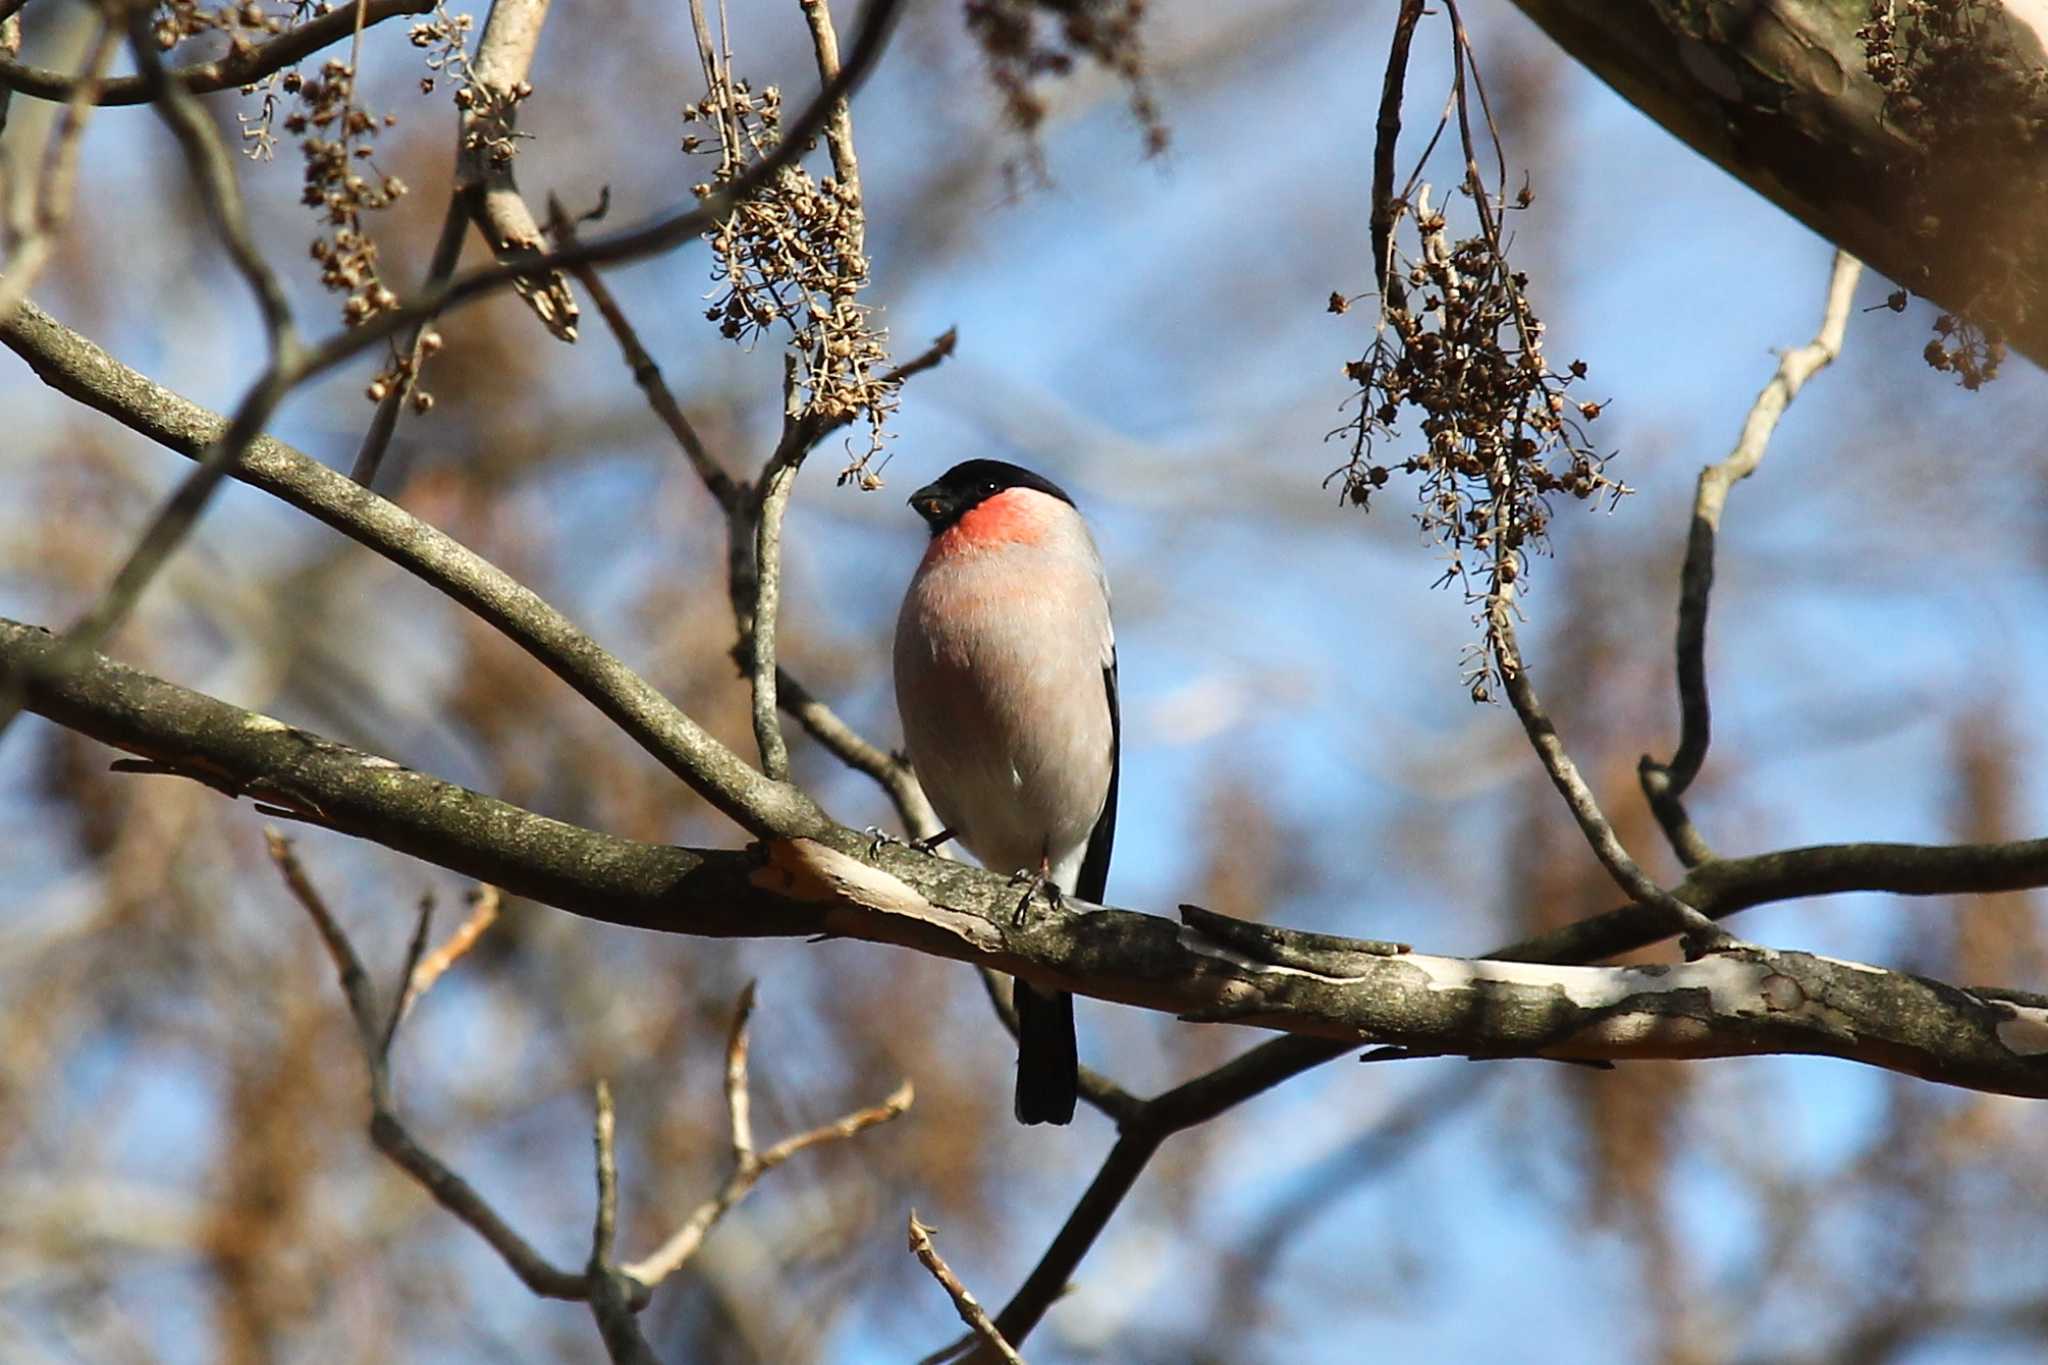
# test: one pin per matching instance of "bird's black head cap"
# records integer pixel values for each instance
(965, 486)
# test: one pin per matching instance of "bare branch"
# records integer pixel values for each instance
(1665, 784)
(415, 950)
(440, 269)
(356, 988)
(504, 56)
(78, 368)
(839, 124)
(728, 494)
(240, 67)
(771, 497)
(970, 1309)
(718, 769)
(1387, 137)
(213, 172)
(422, 975)
(607, 1181)
(738, 1104)
(1699, 931)
(34, 241)
(390, 1137)
(748, 1166)
(1740, 1001)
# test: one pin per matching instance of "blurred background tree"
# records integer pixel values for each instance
(1134, 223)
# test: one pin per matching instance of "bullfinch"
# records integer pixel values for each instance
(1006, 683)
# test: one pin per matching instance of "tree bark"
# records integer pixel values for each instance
(1946, 197)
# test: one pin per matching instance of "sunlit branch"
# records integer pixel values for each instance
(1665, 784)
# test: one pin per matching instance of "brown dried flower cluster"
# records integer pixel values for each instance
(792, 253)
(1028, 40)
(178, 20)
(342, 183)
(1973, 114)
(1460, 351)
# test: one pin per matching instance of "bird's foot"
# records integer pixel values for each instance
(879, 837)
(1033, 883)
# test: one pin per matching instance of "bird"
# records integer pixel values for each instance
(1005, 664)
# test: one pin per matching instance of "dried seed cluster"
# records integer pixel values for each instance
(178, 20)
(341, 180)
(1027, 40)
(1460, 351)
(342, 183)
(791, 254)
(1974, 115)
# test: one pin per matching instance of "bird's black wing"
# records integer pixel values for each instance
(1094, 878)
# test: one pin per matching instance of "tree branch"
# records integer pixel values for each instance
(1665, 784)
(213, 173)
(78, 368)
(1737, 1002)
(484, 156)
(247, 63)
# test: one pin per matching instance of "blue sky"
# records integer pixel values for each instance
(1152, 335)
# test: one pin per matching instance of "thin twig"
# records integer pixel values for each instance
(756, 580)
(36, 240)
(748, 1164)
(415, 950)
(839, 126)
(1701, 933)
(801, 433)
(236, 69)
(846, 744)
(423, 974)
(611, 1294)
(606, 1227)
(356, 987)
(1387, 136)
(293, 368)
(723, 489)
(970, 1309)
(211, 168)
(377, 440)
(738, 1104)
(390, 1137)
(771, 498)
(1665, 784)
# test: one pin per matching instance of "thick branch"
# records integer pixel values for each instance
(1740, 1001)
(1779, 96)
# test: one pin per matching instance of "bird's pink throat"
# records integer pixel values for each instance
(1010, 517)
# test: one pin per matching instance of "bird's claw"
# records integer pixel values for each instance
(877, 839)
(1033, 883)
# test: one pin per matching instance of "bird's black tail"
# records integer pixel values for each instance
(1047, 1064)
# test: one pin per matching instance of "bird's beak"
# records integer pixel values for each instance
(928, 502)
